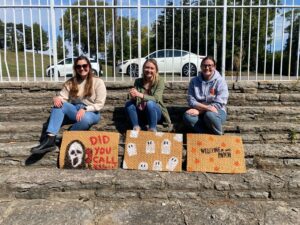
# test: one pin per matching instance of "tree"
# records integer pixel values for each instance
(292, 41)
(10, 36)
(40, 38)
(61, 48)
(80, 16)
(182, 32)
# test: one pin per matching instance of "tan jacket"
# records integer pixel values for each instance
(93, 103)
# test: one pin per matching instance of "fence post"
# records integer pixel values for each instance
(224, 39)
(54, 48)
(139, 38)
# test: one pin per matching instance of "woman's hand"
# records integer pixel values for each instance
(57, 102)
(134, 93)
(193, 112)
(212, 109)
(80, 114)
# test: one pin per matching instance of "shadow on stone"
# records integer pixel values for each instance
(32, 159)
(120, 120)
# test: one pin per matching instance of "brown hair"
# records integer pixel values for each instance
(208, 58)
(73, 82)
(155, 78)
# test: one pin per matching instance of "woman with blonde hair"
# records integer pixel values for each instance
(146, 99)
(78, 103)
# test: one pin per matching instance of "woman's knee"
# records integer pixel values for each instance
(213, 122)
(90, 120)
(189, 119)
(151, 105)
(130, 105)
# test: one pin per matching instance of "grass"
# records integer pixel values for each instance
(293, 136)
(11, 67)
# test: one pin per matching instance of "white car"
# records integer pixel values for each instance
(168, 60)
(65, 68)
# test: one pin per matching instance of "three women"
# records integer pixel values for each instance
(82, 97)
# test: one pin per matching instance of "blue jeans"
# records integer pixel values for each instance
(151, 114)
(207, 123)
(67, 115)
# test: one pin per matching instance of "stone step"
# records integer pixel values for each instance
(251, 132)
(37, 183)
(264, 156)
(235, 113)
(234, 86)
(119, 97)
(86, 210)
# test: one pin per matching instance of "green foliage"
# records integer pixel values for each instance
(293, 17)
(35, 31)
(81, 19)
(62, 51)
(198, 18)
(38, 36)
(293, 136)
(104, 19)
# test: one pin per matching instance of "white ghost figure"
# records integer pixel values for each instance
(166, 146)
(125, 165)
(143, 166)
(134, 134)
(131, 149)
(150, 147)
(157, 165)
(172, 163)
(159, 134)
(178, 137)
(75, 153)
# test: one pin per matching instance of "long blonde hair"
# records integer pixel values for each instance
(74, 81)
(156, 76)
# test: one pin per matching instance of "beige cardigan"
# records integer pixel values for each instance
(94, 102)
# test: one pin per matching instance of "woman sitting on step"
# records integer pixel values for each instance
(207, 99)
(78, 103)
(146, 99)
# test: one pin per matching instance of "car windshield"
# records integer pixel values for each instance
(178, 53)
(169, 53)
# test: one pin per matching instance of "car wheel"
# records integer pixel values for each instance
(94, 72)
(189, 69)
(133, 70)
(51, 73)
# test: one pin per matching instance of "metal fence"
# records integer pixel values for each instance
(250, 39)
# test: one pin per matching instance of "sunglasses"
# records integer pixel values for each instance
(207, 65)
(83, 66)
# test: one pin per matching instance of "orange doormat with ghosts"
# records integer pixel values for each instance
(89, 150)
(157, 151)
(215, 154)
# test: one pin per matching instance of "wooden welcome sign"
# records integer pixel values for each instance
(89, 149)
(216, 154)
(157, 151)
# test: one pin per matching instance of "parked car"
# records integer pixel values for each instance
(65, 67)
(168, 60)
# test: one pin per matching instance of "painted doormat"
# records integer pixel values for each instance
(89, 150)
(216, 154)
(157, 151)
